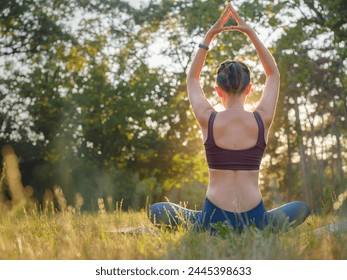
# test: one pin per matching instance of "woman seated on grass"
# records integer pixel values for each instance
(234, 141)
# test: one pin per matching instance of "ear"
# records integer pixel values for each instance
(219, 91)
(248, 89)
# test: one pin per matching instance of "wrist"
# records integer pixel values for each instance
(202, 46)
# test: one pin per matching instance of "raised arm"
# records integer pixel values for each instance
(198, 101)
(268, 101)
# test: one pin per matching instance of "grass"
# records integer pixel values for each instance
(70, 235)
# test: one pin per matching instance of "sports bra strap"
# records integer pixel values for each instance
(261, 133)
(210, 136)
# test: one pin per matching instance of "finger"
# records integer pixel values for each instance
(230, 28)
(226, 18)
(234, 14)
(226, 12)
(225, 15)
(227, 29)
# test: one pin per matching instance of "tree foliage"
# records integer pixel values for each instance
(93, 96)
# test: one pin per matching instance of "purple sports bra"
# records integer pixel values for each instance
(247, 159)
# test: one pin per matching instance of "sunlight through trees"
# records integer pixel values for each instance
(93, 97)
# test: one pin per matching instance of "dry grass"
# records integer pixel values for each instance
(66, 233)
(70, 235)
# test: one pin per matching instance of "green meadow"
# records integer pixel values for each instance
(79, 236)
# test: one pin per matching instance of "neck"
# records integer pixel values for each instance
(235, 102)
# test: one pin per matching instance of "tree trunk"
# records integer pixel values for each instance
(318, 162)
(337, 134)
(2, 195)
(303, 167)
(13, 177)
(289, 173)
(345, 105)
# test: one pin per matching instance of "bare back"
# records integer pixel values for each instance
(234, 190)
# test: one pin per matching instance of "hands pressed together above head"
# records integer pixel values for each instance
(228, 12)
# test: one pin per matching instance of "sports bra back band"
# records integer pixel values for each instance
(223, 159)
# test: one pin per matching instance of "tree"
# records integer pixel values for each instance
(86, 108)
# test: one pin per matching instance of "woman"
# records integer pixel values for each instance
(235, 141)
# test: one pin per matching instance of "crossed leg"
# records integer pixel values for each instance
(281, 218)
(172, 215)
(288, 215)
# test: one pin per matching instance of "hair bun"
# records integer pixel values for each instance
(233, 76)
(233, 67)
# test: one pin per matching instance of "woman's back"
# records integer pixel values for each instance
(235, 130)
(238, 135)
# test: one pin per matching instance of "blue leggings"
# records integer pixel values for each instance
(282, 218)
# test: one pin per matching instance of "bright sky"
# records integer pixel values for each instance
(267, 36)
(136, 3)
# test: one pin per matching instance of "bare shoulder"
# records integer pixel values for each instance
(203, 120)
(265, 118)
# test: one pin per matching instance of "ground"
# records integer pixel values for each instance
(72, 235)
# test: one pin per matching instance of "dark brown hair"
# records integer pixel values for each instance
(233, 76)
